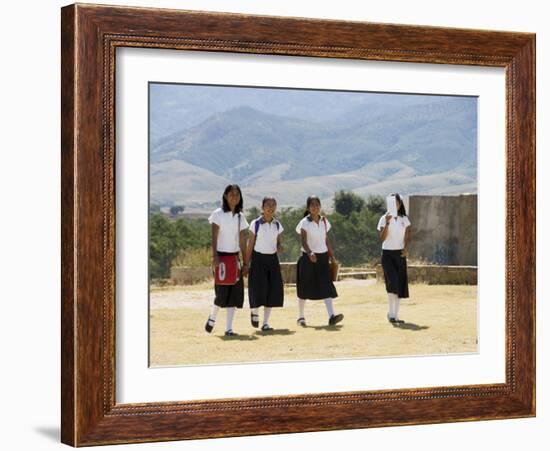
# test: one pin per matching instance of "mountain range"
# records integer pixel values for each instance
(368, 143)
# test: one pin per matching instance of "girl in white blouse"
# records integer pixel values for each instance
(265, 283)
(227, 224)
(395, 236)
(313, 280)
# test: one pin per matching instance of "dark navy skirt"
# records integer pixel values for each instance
(395, 273)
(230, 295)
(265, 283)
(313, 280)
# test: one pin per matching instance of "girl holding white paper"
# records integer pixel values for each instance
(394, 228)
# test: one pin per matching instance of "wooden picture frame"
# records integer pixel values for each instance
(90, 35)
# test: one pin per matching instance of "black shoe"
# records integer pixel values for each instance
(209, 325)
(399, 321)
(334, 319)
(254, 322)
(230, 333)
(266, 328)
(391, 320)
(301, 322)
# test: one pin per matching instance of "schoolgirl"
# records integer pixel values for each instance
(395, 236)
(313, 280)
(265, 283)
(227, 239)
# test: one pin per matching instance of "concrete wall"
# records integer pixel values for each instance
(444, 229)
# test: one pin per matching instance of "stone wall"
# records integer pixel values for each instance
(444, 229)
(437, 274)
(430, 274)
(186, 275)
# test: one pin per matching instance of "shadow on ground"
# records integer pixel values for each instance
(238, 338)
(327, 328)
(410, 326)
(263, 333)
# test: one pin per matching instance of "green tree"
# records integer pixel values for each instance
(176, 210)
(168, 238)
(376, 204)
(347, 202)
(289, 218)
(164, 245)
(253, 213)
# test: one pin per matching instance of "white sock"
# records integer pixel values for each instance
(230, 315)
(330, 307)
(214, 312)
(301, 308)
(254, 311)
(396, 300)
(267, 312)
(391, 305)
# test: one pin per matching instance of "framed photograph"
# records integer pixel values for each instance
(192, 137)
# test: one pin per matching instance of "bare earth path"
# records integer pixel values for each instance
(440, 319)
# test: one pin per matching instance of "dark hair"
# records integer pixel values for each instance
(225, 205)
(266, 198)
(309, 200)
(401, 211)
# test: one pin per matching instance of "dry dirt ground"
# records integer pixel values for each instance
(440, 319)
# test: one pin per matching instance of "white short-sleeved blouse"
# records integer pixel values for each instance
(228, 235)
(266, 240)
(316, 233)
(395, 239)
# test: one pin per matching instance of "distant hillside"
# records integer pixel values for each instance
(372, 148)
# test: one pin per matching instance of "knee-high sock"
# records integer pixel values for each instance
(397, 300)
(254, 311)
(391, 305)
(230, 315)
(214, 312)
(330, 307)
(267, 313)
(301, 308)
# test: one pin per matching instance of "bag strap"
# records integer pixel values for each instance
(239, 233)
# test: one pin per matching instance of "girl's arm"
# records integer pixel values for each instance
(384, 231)
(242, 245)
(215, 259)
(250, 247)
(310, 254)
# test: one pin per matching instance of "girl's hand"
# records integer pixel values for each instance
(245, 270)
(215, 261)
(388, 217)
(312, 258)
(332, 259)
